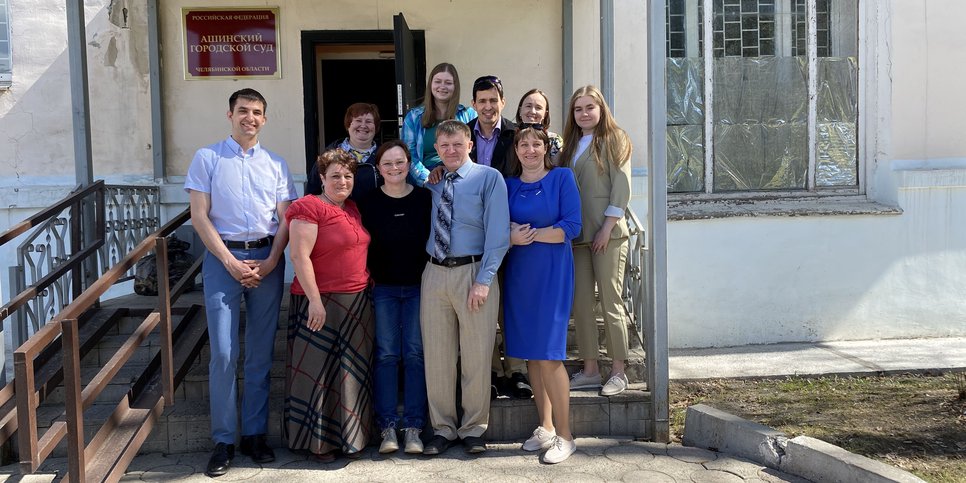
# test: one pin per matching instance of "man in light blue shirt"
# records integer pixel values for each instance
(460, 293)
(239, 192)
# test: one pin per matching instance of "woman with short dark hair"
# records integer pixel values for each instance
(397, 216)
(362, 124)
(328, 395)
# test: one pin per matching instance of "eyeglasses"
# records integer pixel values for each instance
(531, 125)
(487, 82)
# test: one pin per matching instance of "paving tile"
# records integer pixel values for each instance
(715, 476)
(627, 454)
(167, 473)
(649, 476)
(738, 466)
(691, 454)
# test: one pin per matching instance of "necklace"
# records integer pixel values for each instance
(328, 200)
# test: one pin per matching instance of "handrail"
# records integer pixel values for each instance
(65, 324)
(48, 213)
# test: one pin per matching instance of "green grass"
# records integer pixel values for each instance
(915, 422)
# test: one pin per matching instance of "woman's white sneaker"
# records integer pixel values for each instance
(389, 442)
(584, 381)
(414, 445)
(615, 385)
(541, 439)
(559, 451)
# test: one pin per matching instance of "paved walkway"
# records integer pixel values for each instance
(820, 358)
(597, 459)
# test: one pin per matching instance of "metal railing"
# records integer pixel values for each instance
(35, 448)
(75, 241)
(635, 281)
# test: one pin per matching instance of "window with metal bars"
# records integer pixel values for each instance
(6, 54)
(771, 104)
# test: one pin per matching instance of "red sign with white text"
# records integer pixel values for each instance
(231, 43)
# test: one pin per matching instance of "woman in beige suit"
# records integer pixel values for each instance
(599, 152)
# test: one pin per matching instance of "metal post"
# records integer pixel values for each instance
(607, 52)
(154, 74)
(656, 329)
(81, 117)
(568, 54)
(74, 401)
(79, 93)
(164, 307)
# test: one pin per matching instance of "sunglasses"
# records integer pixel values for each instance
(487, 82)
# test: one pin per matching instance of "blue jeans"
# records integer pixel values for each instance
(223, 297)
(398, 336)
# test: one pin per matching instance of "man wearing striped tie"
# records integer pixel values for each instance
(460, 294)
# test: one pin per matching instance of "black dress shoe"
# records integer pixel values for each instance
(474, 445)
(256, 447)
(220, 459)
(520, 386)
(437, 445)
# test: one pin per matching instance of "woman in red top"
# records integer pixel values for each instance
(328, 396)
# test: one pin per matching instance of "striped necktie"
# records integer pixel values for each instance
(444, 218)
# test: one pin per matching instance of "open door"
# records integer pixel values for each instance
(406, 88)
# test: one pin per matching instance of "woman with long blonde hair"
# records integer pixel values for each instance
(599, 152)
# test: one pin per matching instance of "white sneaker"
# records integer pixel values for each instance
(615, 385)
(584, 381)
(559, 451)
(414, 445)
(389, 442)
(541, 439)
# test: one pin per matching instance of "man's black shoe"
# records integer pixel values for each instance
(519, 386)
(474, 444)
(256, 447)
(220, 459)
(437, 445)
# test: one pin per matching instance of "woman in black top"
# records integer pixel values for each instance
(397, 216)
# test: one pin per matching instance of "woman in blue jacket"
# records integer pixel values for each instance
(440, 103)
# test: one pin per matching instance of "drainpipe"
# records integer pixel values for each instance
(154, 75)
(568, 54)
(607, 52)
(79, 93)
(656, 321)
(81, 120)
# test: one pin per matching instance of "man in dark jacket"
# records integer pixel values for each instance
(492, 133)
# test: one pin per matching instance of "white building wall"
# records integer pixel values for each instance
(764, 279)
(731, 280)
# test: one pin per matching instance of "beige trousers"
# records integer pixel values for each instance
(451, 331)
(607, 271)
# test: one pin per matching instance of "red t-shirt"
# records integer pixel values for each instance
(339, 255)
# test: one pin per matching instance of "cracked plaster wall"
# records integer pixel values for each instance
(36, 133)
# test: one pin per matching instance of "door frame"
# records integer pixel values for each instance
(310, 101)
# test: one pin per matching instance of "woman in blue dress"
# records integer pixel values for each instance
(539, 283)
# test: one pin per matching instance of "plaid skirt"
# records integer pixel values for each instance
(328, 386)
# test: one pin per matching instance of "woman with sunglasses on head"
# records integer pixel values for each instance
(534, 108)
(397, 216)
(441, 102)
(599, 153)
(539, 277)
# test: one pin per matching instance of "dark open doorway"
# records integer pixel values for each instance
(346, 66)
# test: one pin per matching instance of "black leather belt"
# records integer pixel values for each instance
(248, 245)
(455, 261)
